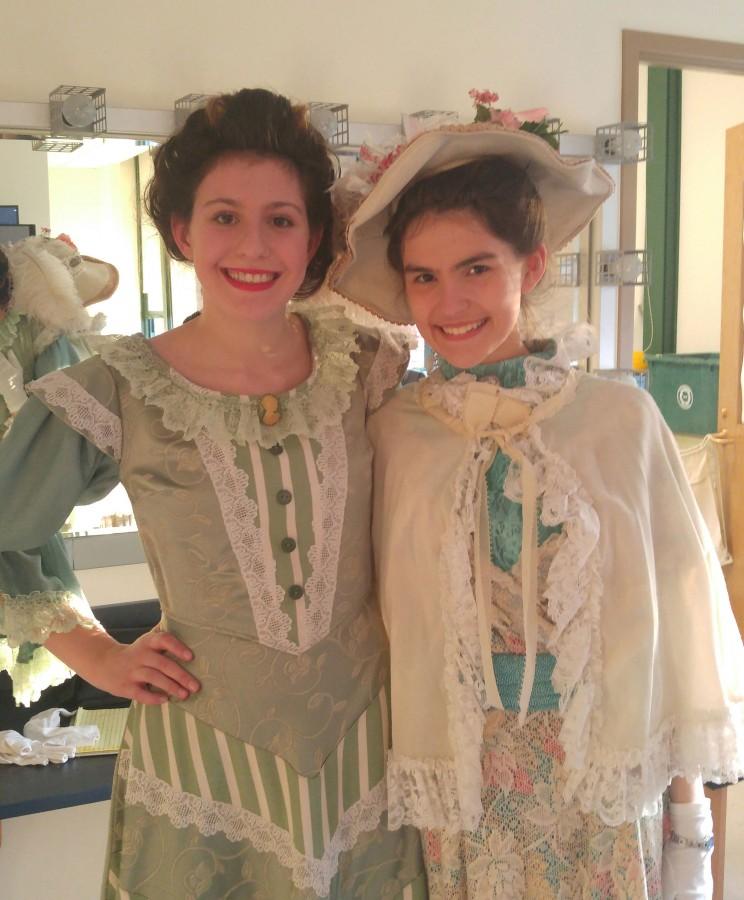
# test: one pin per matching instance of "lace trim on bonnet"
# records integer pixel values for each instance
(189, 408)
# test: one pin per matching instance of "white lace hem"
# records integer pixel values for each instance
(211, 817)
(711, 750)
(463, 668)
(30, 678)
(422, 793)
(31, 618)
(83, 411)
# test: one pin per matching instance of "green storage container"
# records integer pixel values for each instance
(685, 387)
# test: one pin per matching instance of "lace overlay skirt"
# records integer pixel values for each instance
(530, 843)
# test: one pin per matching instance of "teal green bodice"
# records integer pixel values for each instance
(504, 515)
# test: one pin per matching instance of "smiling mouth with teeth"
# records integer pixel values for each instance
(461, 330)
(250, 280)
(251, 277)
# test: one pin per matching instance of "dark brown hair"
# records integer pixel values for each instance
(252, 121)
(6, 282)
(495, 189)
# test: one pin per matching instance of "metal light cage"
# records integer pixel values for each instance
(440, 117)
(426, 120)
(332, 121)
(623, 142)
(568, 269)
(617, 268)
(61, 97)
(184, 106)
(55, 145)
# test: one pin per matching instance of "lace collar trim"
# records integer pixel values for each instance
(189, 408)
(509, 373)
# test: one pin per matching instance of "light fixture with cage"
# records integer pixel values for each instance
(184, 106)
(623, 142)
(620, 268)
(77, 111)
(425, 120)
(567, 269)
(56, 145)
(332, 121)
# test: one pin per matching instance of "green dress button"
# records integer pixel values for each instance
(288, 544)
(295, 592)
(277, 449)
(283, 497)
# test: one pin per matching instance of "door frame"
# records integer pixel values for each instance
(660, 50)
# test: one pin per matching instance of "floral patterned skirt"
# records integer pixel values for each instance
(530, 843)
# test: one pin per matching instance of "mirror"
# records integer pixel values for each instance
(94, 195)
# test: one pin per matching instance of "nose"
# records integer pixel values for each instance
(451, 298)
(252, 241)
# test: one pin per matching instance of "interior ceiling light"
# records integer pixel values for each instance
(332, 121)
(623, 142)
(184, 106)
(76, 110)
(56, 145)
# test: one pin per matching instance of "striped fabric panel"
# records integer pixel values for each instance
(257, 523)
(222, 769)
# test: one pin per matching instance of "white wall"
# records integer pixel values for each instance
(711, 103)
(57, 855)
(380, 57)
(23, 182)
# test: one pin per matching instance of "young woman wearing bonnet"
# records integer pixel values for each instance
(563, 649)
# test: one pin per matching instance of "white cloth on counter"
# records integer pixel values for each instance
(44, 740)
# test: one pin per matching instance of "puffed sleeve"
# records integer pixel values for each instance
(383, 362)
(47, 466)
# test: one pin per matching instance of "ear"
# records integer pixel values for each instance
(180, 231)
(533, 268)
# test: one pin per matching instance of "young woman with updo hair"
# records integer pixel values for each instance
(253, 762)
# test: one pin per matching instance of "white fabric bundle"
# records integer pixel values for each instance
(44, 740)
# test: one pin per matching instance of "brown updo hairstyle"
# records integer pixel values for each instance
(493, 188)
(254, 121)
(6, 282)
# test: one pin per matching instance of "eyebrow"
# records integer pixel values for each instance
(229, 201)
(462, 264)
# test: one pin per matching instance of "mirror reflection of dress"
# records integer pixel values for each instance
(44, 326)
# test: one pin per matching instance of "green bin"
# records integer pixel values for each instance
(685, 387)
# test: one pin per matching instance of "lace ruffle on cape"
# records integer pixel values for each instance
(617, 784)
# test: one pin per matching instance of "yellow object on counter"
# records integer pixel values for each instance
(639, 361)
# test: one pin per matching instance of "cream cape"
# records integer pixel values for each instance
(650, 665)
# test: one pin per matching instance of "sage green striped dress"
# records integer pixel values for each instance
(269, 782)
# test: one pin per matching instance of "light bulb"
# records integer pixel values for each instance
(78, 111)
(631, 144)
